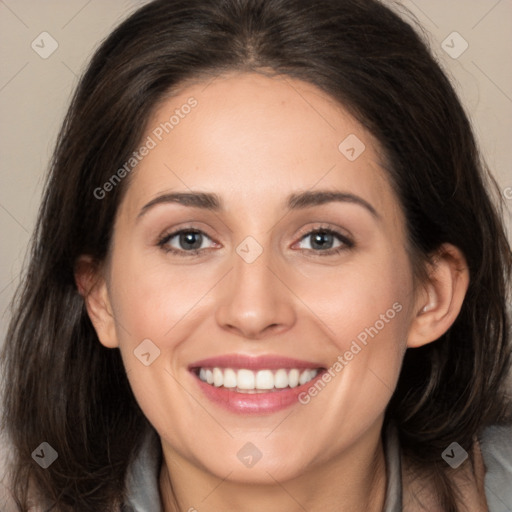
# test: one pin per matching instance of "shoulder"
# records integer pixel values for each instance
(496, 447)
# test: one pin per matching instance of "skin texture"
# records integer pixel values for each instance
(253, 140)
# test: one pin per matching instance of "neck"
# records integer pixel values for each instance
(354, 480)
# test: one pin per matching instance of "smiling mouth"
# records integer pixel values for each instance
(255, 384)
(243, 380)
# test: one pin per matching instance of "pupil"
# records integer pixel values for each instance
(188, 238)
(319, 239)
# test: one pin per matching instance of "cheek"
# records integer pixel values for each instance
(154, 309)
(150, 297)
(364, 308)
(356, 300)
(367, 294)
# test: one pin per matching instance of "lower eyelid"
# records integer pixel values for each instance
(346, 242)
(165, 239)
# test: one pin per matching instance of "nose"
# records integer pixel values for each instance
(256, 301)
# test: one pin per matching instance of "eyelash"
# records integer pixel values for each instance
(347, 244)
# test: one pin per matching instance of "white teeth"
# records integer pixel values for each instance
(293, 378)
(264, 379)
(281, 379)
(218, 377)
(305, 376)
(229, 378)
(247, 380)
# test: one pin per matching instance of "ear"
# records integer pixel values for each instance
(92, 286)
(440, 300)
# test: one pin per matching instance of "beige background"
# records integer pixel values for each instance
(34, 93)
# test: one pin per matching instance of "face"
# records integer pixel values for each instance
(258, 278)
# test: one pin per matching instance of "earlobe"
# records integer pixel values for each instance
(92, 286)
(441, 300)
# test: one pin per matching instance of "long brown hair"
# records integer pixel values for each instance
(64, 388)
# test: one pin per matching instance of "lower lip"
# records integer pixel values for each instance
(254, 403)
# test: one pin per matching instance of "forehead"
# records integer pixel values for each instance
(256, 138)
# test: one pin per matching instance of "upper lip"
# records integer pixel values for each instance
(261, 362)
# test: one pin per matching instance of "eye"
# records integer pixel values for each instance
(323, 240)
(188, 241)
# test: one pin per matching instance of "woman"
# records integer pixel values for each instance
(334, 337)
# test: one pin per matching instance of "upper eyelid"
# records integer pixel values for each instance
(335, 232)
(344, 233)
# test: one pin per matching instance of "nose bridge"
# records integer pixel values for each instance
(251, 268)
(254, 299)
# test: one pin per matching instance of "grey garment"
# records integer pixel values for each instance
(496, 445)
(142, 486)
(393, 501)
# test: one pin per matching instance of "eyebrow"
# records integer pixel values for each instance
(296, 201)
